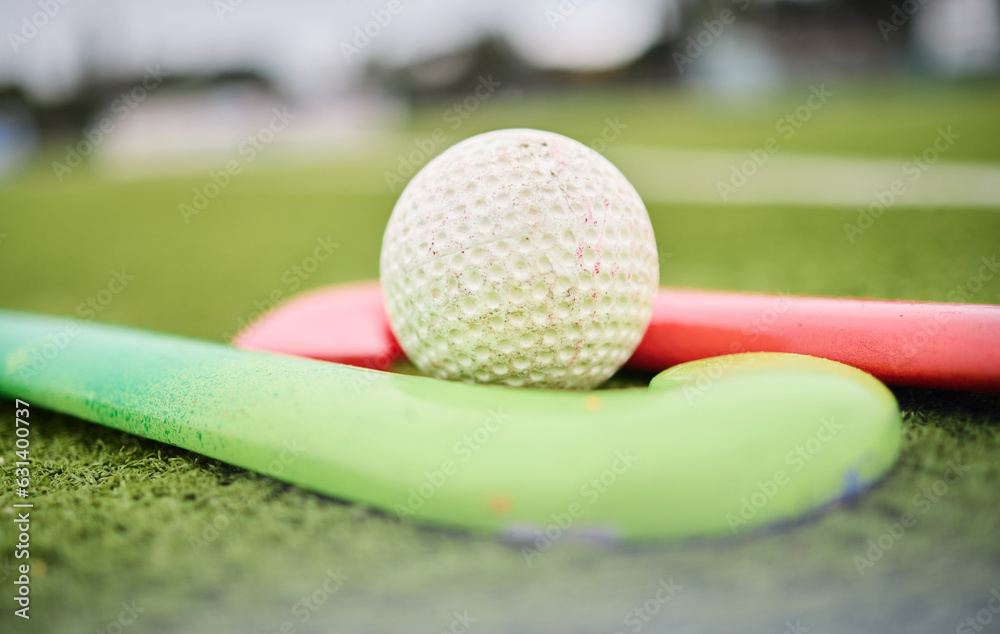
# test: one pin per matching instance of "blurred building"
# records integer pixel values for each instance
(66, 64)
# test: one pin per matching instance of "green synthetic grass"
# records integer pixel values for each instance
(121, 519)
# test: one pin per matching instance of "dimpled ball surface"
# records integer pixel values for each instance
(519, 257)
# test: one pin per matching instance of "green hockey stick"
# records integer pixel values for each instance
(713, 447)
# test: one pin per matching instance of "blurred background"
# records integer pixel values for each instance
(195, 73)
(179, 164)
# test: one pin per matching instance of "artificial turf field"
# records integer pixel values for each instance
(122, 519)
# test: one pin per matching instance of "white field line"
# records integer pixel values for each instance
(692, 176)
(664, 176)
